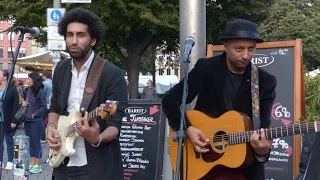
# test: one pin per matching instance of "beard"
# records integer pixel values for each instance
(82, 53)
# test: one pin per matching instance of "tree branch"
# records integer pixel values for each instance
(116, 48)
(143, 47)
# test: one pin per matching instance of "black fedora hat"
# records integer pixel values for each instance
(241, 29)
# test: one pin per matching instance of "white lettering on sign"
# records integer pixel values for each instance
(262, 60)
(136, 110)
(137, 126)
(277, 143)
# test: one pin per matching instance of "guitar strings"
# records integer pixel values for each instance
(268, 132)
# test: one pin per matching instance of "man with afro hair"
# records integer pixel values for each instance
(97, 154)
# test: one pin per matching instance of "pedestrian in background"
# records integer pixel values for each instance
(7, 118)
(149, 92)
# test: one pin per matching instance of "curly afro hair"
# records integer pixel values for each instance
(84, 16)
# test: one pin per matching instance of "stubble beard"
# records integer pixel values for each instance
(82, 54)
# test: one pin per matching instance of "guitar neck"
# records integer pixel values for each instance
(271, 133)
(91, 115)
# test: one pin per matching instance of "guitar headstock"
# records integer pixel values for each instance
(107, 109)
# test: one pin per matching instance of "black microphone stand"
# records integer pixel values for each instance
(2, 99)
(180, 134)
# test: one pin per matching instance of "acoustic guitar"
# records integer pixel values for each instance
(68, 134)
(229, 143)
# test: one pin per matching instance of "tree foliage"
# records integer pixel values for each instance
(312, 98)
(292, 19)
(219, 12)
(131, 27)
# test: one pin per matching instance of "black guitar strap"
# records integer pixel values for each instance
(255, 97)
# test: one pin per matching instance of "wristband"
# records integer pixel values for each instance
(55, 125)
(97, 145)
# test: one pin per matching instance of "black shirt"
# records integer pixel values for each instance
(233, 82)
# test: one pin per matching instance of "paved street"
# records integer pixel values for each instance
(46, 169)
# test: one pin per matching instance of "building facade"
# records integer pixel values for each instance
(6, 52)
(167, 65)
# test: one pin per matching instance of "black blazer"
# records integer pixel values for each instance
(10, 107)
(207, 80)
(105, 161)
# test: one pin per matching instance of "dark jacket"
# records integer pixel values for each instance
(105, 161)
(207, 80)
(36, 105)
(10, 107)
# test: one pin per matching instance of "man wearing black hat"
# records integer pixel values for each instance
(222, 83)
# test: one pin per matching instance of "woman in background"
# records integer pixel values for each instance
(37, 106)
(10, 107)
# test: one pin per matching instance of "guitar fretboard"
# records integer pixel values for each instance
(270, 133)
(91, 115)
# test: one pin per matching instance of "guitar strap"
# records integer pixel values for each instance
(255, 97)
(92, 82)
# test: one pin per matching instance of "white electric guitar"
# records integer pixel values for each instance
(68, 134)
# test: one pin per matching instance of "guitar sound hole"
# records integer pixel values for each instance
(220, 144)
(220, 141)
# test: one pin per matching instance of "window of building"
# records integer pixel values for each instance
(9, 52)
(11, 20)
(22, 52)
(176, 72)
(160, 71)
(1, 52)
(9, 36)
(1, 34)
(9, 65)
(168, 71)
(1, 66)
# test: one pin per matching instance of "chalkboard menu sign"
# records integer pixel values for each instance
(142, 140)
(280, 62)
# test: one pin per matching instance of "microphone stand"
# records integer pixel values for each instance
(2, 99)
(180, 134)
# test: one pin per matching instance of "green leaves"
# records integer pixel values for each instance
(289, 20)
(219, 12)
(312, 98)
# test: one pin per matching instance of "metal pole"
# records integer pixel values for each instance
(56, 4)
(56, 53)
(192, 23)
(21, 157)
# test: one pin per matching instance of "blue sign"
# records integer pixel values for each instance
(55, 15)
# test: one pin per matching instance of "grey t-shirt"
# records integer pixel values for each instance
(149, 93)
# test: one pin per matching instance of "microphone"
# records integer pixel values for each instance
(34, 32)
(189, 43)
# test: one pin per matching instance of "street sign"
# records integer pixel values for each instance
(56, 45)
(54, 15)
(75, 1)
(52, 33)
